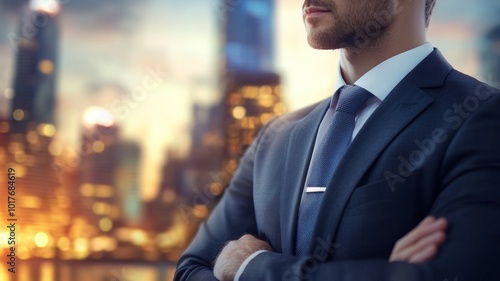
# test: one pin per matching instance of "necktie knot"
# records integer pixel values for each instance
(352, 98)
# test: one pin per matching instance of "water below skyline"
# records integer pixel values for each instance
(50, 270)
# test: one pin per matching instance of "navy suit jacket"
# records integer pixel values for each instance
(432, 147)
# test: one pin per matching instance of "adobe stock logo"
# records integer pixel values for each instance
(324, 249)
(454, 117)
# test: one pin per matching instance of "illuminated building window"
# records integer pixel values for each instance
(123, 233)
(100, 208)
(139, 237)
(46, 67)
(47, 130)
(64, 244)
(32, 137)
(250, 92)
(4, 127)
(200, 211)
(105, 224)
(21, 170)
(98, 146)
(18, 114)
(20, 156)
(239, 112)
(103, 191)
(265, 90)
(30, 202)
(248, 123)
(103, 243)
(24, 254)
(41, 239)
(81, 247)
(265, 117)
(87, 190)
(266, 100)
(232, 164)
(216, 188)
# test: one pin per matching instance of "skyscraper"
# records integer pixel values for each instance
(250, 91)
(41, 204)
(35, 73)
(251, 87)
(98, 198)
(126, 180)
(249, 36)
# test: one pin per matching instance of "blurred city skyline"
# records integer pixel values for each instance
(92, 200)
(125, 120)
(109, 47)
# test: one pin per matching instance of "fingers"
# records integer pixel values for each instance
(422, 243)
(425, 255)
(254, 244)
(431, 234)
(413, 236)
(425, 249)
(247, 238)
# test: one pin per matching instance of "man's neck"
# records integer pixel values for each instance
(355, 62)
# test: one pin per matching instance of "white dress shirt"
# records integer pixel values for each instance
(379, 81)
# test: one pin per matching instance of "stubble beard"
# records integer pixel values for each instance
(346, 29)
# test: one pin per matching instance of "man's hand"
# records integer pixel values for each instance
(421, 244)
(235, 253)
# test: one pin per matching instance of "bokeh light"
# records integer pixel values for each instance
(41, 239)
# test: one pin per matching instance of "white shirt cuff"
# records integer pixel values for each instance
(245, 263)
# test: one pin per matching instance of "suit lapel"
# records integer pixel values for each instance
(400, 107)
(299, 150)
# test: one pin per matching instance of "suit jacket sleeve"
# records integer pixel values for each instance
(233, 217)
(469, 197)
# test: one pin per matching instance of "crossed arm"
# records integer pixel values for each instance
(418, 246)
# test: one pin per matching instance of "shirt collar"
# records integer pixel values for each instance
(390, 71)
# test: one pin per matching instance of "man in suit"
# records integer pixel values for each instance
(336, 191)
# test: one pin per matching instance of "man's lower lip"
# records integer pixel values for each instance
(316, 14)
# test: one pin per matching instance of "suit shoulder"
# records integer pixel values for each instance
(298, 114)
(467, 85)
(282, 125)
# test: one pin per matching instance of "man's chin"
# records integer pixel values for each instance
(322, 43)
